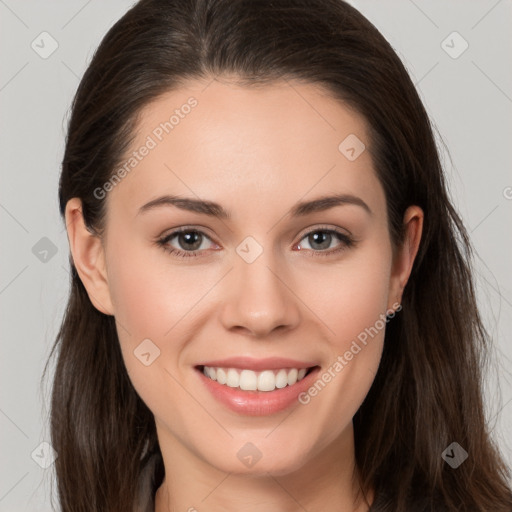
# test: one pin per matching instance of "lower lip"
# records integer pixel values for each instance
(258, 403)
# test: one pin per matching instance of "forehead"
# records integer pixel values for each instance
(288, 108)
(220, 140)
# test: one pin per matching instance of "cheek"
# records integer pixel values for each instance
(149, 302)
(139, 298)
(150, 295)
(353, 306)
(154, 300)
(353, 295)
(366, 297)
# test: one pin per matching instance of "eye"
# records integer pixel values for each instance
(321, 238)
(192, 240)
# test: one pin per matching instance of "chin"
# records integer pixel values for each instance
(249, 460)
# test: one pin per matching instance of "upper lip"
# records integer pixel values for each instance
(249, 363)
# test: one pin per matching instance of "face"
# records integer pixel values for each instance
(264, 287)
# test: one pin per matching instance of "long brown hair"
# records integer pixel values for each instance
(428, 389)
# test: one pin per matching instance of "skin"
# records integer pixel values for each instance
(256, 152)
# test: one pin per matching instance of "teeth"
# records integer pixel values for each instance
(248, 380)
(233, 379)
(267, 380)
(221, 375)
(292, 376)
(282, 379)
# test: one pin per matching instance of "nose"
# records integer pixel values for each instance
(259, 300)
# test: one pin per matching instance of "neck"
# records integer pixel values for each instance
(328, 482)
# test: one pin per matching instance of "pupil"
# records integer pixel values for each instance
(192, 237)
(320, 237)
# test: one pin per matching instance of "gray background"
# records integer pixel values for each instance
(469, 99)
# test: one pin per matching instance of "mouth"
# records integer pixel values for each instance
(249, 380)
(256, 393)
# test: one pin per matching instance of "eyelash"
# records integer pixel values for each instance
(347, 242)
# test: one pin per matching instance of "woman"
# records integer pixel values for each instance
(270, 285)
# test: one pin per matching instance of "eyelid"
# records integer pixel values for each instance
(170, 234)
(186, 228)
(322, 227)
(344, 236)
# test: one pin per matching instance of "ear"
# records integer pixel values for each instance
(405, 254)
(88, 257)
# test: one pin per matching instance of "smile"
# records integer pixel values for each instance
(249, 380)
(271, 386)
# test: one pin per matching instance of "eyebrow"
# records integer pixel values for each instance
(216, 210)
